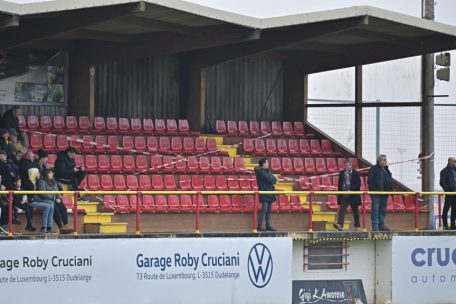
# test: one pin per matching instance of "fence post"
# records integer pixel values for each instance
(255, 215)
(416, 211)
(440, 211)
(310, 211)
(10, 213)
(364, 211)
(197, 224)
(75, 213)
(138, 208)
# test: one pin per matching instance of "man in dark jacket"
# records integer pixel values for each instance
(266, 182)
(10, 120)
(66, 171)
(448, 184)
(6, 172)
(349, 180)
(379, 179)
(27, 162)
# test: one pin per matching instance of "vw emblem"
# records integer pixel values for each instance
(259, 265)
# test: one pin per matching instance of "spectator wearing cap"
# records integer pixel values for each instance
(66, 171)
(15, 146)
(6, 172)
(27, 162)
(10, 120)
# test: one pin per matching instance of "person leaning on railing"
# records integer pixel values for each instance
(448, 184)
(379, 179)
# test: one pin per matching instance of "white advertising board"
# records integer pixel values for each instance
(424, 269)
(193, 270)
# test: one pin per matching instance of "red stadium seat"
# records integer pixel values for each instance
(186, 202)
(283, 203)
(265, 127)
(233, 183)
(33, 123)
(45, 123)
(287, 165)
(221, 183)
(243, 128)
(225, 203)
(152, 144)
(87, 144)
(136, 126)
(62, 143)
(216, 164)
(245, 183)
(331, 165)
(129, 163)
(157, 182)
(326, 183)
(176, 145)
(22, 122)
(276, 166)
(100, 146)
(248, 146)
(184, 182)
(148, 126)
(260, 148)
(310, 166)
(141, 162)
(211, 144)
(282, 148)
(192, 164)
(315, 148)
(298, 128)
(298, 166)
(220, 127)
(304, 147)
(335, 182)
(237, 203)
(197, 182)
(127, 144)
(169, 183)
(109, 202)
(51, 160)
(277, 129)
(106, 183)
(341, 163)
(69, 124)
(160, 126)
(173, 203)
(232, 129)
(326, 147)
(49, 143)
(140, 144)
(254, 127)
(99, 125)
(161, 203)
(271, 148)
(293, 147)
(239, 166)
(122, 204)
(188, 146)
(200, 145)
(36, 142)
(204, 166)
(75, 142)
(113, 143)
(119, 183)
(124, 125)
(133, 202)
(209, 182)
(93, 182)
(58, 124)
(148, 203)
(315, 183)
(304, 183)
(249, 201)
(320, 165)
(104, 163)
(295, 203)
(144, 182)
(156, 163)
(83, 124)
(116, 163)
(79, 160)
(212, 203)
(132, 182)
(399, 203)
(91, 163)
(164, 145)
(227, 164)
(287, 129)
(355, 163)
(111, 125)
(171, 127)
(184, 128)
(168, 164)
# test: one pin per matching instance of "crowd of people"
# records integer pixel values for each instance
(21, 169)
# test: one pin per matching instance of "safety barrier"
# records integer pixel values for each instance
(199, 194)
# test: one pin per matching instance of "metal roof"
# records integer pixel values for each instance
(173, 26)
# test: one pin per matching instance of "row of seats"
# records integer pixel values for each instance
(396, 203)
(255, 128)
(111, 144)
(325, 183)
(187, 203)
(168, 182)
(291, 147)
(307, 165)
(156, 163)
(72, 124)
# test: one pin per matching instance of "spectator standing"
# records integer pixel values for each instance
(266, 182)
(448, 184)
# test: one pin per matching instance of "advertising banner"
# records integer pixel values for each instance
(424, 269)
(328, 292)
(201, 270)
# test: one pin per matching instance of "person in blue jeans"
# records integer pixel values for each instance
(266, 182)
(379, 179)
(36, 202)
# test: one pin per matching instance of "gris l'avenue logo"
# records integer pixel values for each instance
(260, 265)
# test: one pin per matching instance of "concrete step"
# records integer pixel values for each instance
(324, 216)
(98, 217)
(88, 207)
(105, 228)
(284, 186)
(329, 225)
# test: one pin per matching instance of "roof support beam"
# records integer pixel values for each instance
(158, 25)
(9, 21)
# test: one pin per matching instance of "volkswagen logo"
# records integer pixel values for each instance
(259, 265)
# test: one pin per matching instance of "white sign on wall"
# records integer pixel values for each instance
(424, 269)
(201, 270)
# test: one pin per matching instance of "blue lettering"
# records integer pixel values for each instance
(414, 254)
(446, 260)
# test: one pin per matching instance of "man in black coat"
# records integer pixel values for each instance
(27, 162)
(266, 182)
(10, 120)
(66, 171)
(349, 180)
(448, 184)
(6, 172)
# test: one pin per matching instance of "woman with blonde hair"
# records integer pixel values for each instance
(39, 203)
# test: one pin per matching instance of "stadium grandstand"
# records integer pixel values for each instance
(170, 106)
